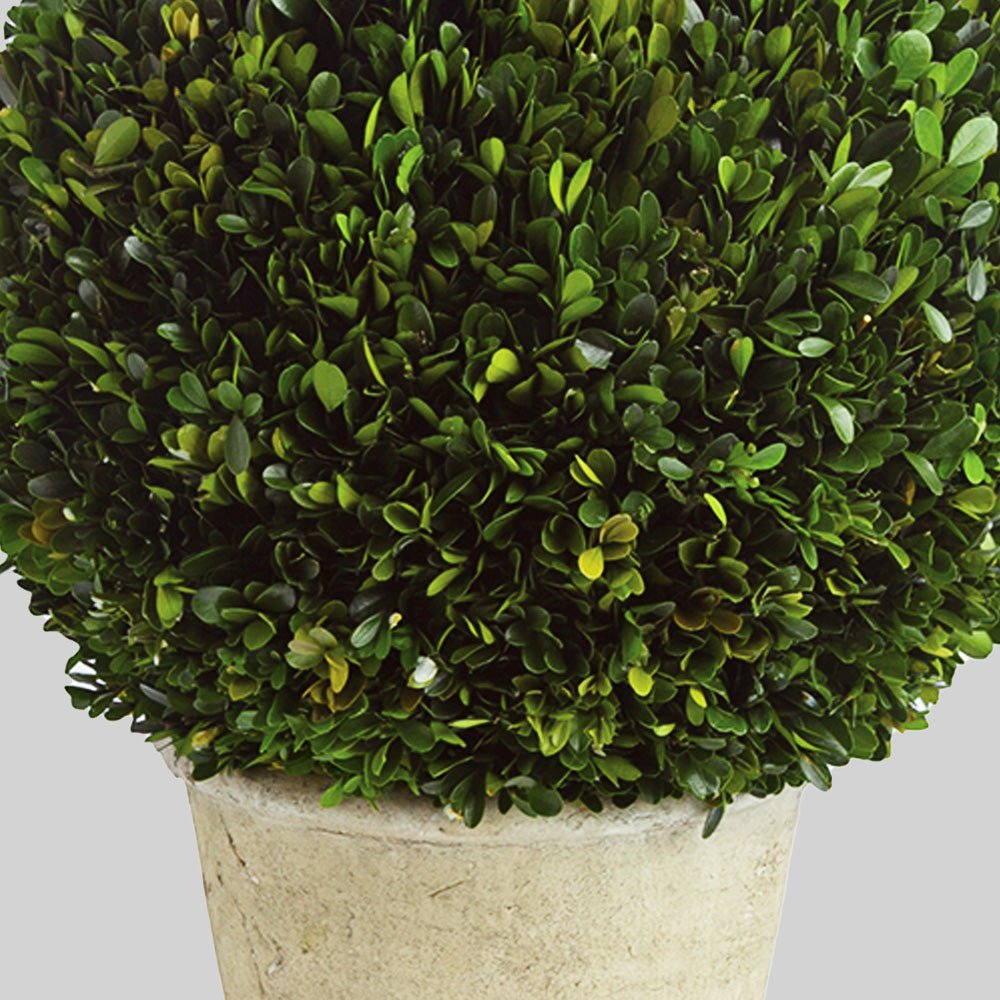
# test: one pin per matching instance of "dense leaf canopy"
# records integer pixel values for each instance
(541, 399)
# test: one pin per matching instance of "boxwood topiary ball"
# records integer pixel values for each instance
(540, 399)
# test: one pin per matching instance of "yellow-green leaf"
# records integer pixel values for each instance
(640, 682)
(503, 366)
(591, 562)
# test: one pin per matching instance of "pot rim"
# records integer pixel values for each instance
(399, 815)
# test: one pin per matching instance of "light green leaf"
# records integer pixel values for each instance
(959, 71)
(640, 682)
(578, 283)
(938, 323)
(741, 354)
(974, 140)
(117, 141)
(492, 152)
(976, 214)
(874, 175)
(766, 458)
(399, 99)
(717, 509)
(442, 580)
(815, 347)
(928, 132)
(578, 183)
(840, 416)
(503, 366)
(556, 184)
(404, 517)
(330, 384)
(975, 281)
(911, 52)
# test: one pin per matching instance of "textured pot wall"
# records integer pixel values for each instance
(309, 903)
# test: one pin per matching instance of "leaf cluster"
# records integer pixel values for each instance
(520, 399)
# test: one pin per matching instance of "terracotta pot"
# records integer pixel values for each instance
(405, 903)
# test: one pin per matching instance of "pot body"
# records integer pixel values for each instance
(405, 903)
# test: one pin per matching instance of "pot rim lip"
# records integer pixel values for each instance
(281, 800)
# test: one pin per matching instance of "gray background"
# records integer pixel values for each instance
(892, 890)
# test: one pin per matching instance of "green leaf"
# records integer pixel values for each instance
(27, 353)
(952, 441)
(399, 100)
(717, 509)
(443, 579)
(229, 223)
(208, 602)
(674, 468)
(911, 53)
(330, 130)
(816, 772)
(975, 282)
(978, 644)
(926, 471)
(741, 354)
(257, 634)
(766, 458)
(617, 768)
(974, 140)
(324, 91)
(865, 286)
(840, 416)
(938, 323)
(556, 184)
(366, 632)
(959, 71)
(332, 797)
(330, 384)
(577, 183)
(976, 214)
(928, 132)
(416, 735)
(544, 801)
(237, 446)
(874, 175)
(492, 153)
(580, 309)
(977, 501)
(814, 347)
(662, 117)
(577, 285)
(503, 366)
(973, 467)
(601, 12)
(117, 142)
(402, 516)
(777, 43)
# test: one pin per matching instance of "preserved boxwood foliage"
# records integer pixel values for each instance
(534, 399)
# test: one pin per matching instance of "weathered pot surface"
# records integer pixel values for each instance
(407, 903)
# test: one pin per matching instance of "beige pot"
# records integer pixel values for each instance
(308, 903)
